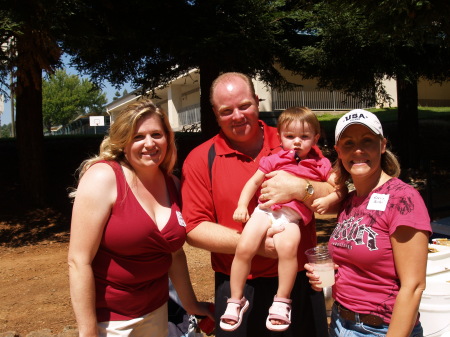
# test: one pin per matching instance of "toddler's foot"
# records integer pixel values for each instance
(279, 317)
(232, 317)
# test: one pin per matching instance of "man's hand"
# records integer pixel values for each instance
(281, 187)
(267, 248)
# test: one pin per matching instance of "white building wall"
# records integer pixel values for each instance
(265, 95)
(307, 84)
(174, 103)
(190, 96)
(391, 89)
(434, 94)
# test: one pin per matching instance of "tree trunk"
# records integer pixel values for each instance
(408, 123)
(208, 73)
(30, 139)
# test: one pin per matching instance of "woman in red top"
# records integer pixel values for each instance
(127, 231)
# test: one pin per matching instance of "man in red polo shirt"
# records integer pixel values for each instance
(213, 176)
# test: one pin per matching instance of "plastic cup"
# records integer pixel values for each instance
(323, 265)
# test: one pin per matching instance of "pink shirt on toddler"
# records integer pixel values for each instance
(315, 167)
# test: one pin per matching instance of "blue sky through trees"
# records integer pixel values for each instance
(108, 89)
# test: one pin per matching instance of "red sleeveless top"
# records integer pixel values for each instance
(132, 262)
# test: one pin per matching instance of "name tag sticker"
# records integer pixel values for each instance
(378, 202)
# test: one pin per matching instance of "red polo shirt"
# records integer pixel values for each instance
(216, 202)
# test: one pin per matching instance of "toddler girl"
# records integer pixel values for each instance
(299, 131)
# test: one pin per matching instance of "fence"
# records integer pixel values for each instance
(81, 126)
(321, 100)
(317, 100)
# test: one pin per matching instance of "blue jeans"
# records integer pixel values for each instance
(340, 327)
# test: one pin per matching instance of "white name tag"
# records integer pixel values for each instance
(378, 202)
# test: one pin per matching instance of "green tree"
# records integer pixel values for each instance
(116, 95)
(211, 35)
(360, 43)
(5, 131)
(67, 96)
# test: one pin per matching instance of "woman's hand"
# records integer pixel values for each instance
(202, 309)
(314, 280)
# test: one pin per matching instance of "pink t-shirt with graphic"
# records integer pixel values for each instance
(366, 280)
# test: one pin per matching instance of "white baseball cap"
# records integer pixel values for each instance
(358, 116)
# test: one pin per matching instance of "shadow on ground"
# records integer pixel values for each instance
(34, 226)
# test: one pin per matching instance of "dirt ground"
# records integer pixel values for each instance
(34, 277)
(35, 288)
(34, 285)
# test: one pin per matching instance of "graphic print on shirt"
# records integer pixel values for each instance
(362, 221)
(351, 230)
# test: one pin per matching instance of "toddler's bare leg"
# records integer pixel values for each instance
(254, 232)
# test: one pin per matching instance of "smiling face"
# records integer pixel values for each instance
(360, 150)
(236, 109)
(298, 136)
(148, 145)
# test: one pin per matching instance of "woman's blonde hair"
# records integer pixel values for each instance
(301, 114)
(122, 131)
(389, 164)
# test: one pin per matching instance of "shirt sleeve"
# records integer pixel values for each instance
(408, 209)
(325, 168)
(198, 205)
(265, 165)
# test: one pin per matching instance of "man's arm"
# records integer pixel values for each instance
(199, 209)
(199, 212)
(214, 238)
(282, 187)
(220, 239)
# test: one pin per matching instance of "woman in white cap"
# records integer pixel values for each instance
(381, 238)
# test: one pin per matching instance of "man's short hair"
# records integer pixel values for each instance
(229, 75)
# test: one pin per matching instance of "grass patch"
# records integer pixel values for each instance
(387, 115)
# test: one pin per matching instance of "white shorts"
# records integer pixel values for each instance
(153, 324)
(280, 216)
